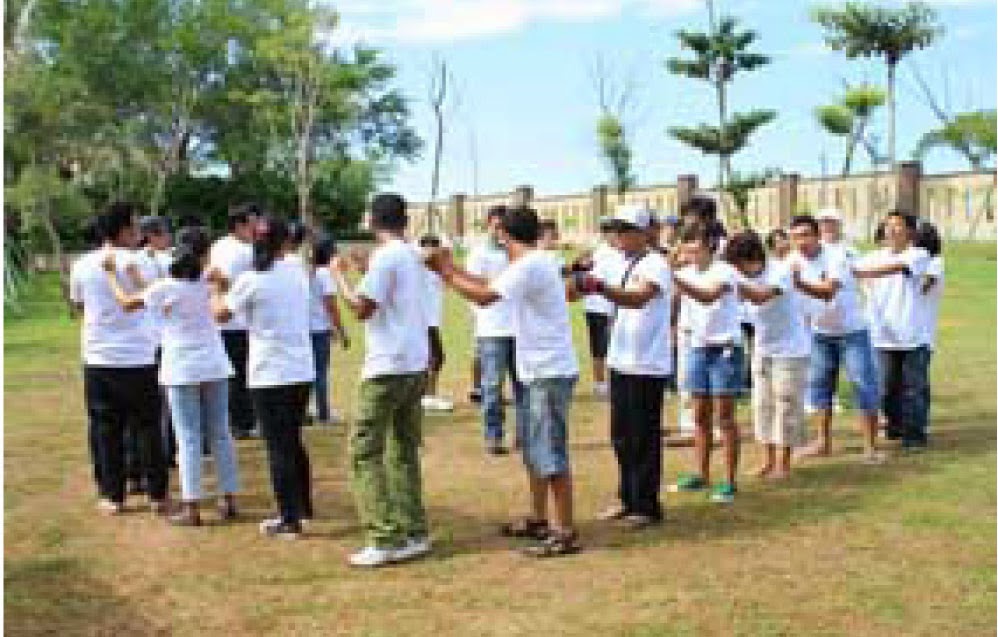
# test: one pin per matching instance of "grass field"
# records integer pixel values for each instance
(907, 548)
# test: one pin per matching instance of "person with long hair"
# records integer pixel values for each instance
(325, 325)
(927, 237)
(194, 370)
(274, 298)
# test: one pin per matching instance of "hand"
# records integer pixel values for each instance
(439, 260)
(214, 275)
(587, 284)
(108, 263)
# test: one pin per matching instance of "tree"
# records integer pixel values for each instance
(971, 134)
(441, 81)
(739, 185)
(850, 118)
(862, 30)
(720, 54)
(615, 98)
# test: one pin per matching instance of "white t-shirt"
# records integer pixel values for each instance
(641, 339)
(717, 323)
(930, 301)
(276, 306)
(111, 337)
(192, 345)
(488, 261)
(232, 257)
(781, 323)
(396, 334)
(895, 303)
(541, 326)
(321, 286)
(843, 314)
(848, 251)
(151, 270)
(609, 266)
(434, 298)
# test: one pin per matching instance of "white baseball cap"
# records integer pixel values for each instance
(634, 215)
(829, 214)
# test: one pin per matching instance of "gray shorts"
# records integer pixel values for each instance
(544, 435)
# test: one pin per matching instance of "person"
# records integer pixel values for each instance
(550, 241)
(232, 255)
(895, 311)
(778, 244)
(194, 370)
(640, 361)
(325, 325)
(830, 229)
(432, 400)
(781, 351)
(119, 373)
(274, 298)
(298, 234)
(607, 265)
(927, 237)
(841, 337)
(545, 364)
(494, 342)
(385, 469)
(668, 233)
(714, 365)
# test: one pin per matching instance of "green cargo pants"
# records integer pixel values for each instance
(384, 459)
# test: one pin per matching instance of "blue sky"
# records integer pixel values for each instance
(526, 101)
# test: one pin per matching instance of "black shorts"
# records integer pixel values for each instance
(436, 350)
(599, 333)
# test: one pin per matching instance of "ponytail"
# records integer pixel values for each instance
(269, 236)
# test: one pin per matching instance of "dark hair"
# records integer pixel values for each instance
(805, 220)
(910, 221)
(91, 232)
(152, 225)
(118, 216)
(241, 213)
(269, 236)
(522, 225)
(189, 221)
(192, 245)
(696, 232)
(496, 211)
(547, 225)
(297, 232)
(879, 233)
(771, 238)
(429, 241)
(388, 212)
(323, 251)
(701, 207)
(745, 247)
(927, 237)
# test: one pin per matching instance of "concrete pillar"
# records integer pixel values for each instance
(523, 196)
(686, 185)
(455, 215)
(788, 198)
(599, 208)
(909, 176)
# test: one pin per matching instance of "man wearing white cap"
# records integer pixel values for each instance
(640, 361)
(830, 228)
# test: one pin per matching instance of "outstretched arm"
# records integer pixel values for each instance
(701, 294)
(127, 302)
(361, 306)
(758, 294)
(879, 271)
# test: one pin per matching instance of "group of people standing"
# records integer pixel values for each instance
(235, 336)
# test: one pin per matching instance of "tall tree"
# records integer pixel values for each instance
(864, 30)
(850, 118)
(615, 96)
(440, 95)
(720, 54)
(970, 134)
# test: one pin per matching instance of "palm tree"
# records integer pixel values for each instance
(861, 30)
(971, 134)
(849, 118)
(718, 55)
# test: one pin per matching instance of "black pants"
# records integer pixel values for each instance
(635, 431)
(281, 412)
(118, 398)
(240, 406)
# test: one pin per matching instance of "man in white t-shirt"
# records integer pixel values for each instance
(545, 363)
(830, 228)
(231, 256)
(640, 361)
(494, 337)
(608, 266)
(432, 400)
(896, 307)
(119, 370)
(385, 439)
(841, 337)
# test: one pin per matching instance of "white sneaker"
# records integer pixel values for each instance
(436, 403)
(372, 556)
(413, 548)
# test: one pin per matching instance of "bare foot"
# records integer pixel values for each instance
(814, 450)
(763, 471)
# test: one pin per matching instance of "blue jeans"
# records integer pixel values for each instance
(855, 352)
(715, 370)
(905, 380)
(544, 435)
(320, 386)
(497, 359)
(193, 408)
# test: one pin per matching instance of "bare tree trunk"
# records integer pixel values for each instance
(724, 165)
(891, 106)
(45, 214)
(438, 98)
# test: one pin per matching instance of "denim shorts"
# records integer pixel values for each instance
(853, 351)
(544, 434)
(715, 370)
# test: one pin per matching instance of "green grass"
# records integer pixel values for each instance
(840, 549)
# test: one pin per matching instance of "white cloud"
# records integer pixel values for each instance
(416, 21)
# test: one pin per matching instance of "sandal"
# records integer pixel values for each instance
(555, 545)
(525, 528)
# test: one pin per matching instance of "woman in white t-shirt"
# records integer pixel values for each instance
(274, 298)
(325, 325)
(194, 369)
(934, 282)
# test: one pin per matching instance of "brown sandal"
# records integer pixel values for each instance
(555, 545)
(525, 528)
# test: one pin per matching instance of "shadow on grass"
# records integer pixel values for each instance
(49, 595)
